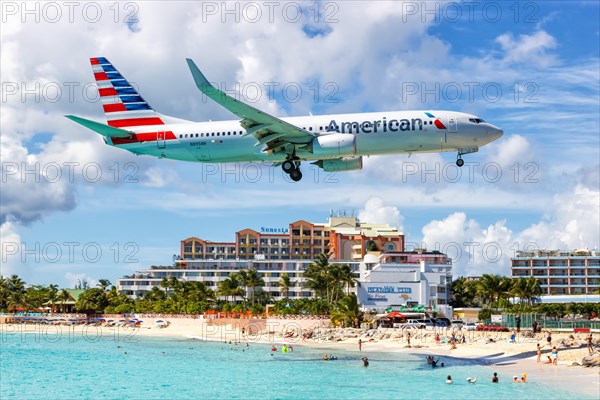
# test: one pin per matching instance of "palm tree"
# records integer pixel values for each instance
(347, 278)
(284, 284)
(230, 286)
(104, 284)
(346, 310)
(464, 292)
(533, 290)
(251, 279)
(492, 288)
(52, 295)
(316, 279)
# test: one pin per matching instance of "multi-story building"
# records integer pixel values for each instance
(341, 238)
(559, 272)
(409, 279)
(273, 252)
(211, 272)
(424, 277)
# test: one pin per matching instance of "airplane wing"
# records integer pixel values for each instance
(102, 129)
(270, 131)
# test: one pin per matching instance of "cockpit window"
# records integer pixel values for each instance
(476, 120)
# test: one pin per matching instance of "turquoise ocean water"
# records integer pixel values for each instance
(66, 367)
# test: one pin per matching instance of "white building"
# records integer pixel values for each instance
(417, 278)
(559, 272)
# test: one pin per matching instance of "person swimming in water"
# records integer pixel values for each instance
(365, 361)
(448, 379)
(472, 380)
(495, 378)
(434, 362)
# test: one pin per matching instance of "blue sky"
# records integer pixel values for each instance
(370, 55)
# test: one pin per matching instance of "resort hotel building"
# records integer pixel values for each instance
(374, 252)
(559, 272)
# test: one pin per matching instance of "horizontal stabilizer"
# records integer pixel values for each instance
(102, 129)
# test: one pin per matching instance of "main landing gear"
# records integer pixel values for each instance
(292, 168)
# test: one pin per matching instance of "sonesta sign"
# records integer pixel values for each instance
(273, 230)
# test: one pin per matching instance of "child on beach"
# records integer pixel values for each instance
(539, 353)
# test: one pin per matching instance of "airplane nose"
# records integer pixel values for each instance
(494, 133)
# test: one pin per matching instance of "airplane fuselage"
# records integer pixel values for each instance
(374, 134)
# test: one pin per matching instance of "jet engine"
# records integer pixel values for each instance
(334, 145)
(341, 164)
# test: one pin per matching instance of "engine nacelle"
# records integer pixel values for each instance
(341, 164)
(334, 145)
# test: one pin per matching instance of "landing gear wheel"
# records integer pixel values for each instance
(296, 175)
(287, 166)
(460, 162)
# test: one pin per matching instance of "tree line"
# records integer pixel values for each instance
(494, 292)
(240, 292)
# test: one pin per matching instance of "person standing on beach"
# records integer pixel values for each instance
(590, 346)
(518, 323)
(539, 353)
(408, 338)
(554, 356)
(359, 345)
(549, 338)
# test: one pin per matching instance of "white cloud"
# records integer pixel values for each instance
(10, 244)
(572, 222)
(375, 211)
(74, 279)
(528, 48)
(510, 150)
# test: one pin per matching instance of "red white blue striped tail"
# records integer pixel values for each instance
(123, 105)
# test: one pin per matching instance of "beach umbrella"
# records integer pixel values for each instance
(395, 314)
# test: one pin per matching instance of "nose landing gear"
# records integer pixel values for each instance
(459, 161)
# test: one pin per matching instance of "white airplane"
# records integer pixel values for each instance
(336, 142)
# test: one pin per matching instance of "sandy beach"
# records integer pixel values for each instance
(504, 357)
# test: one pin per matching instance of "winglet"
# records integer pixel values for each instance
(201, 81)
(102, 129)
